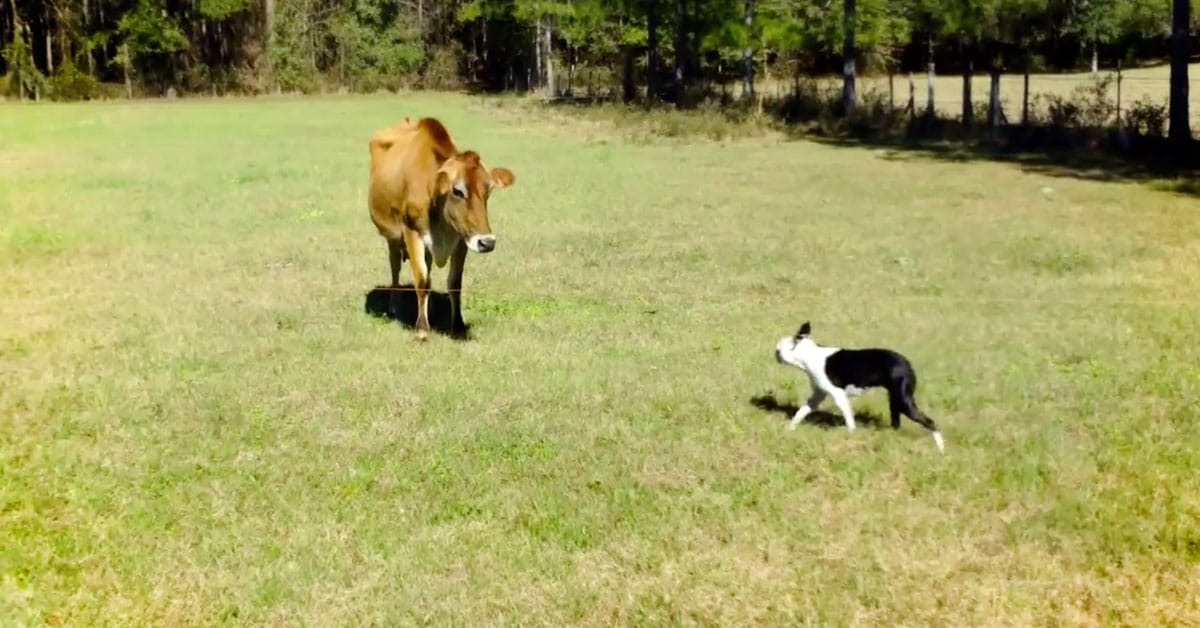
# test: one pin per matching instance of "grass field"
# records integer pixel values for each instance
(200, 425)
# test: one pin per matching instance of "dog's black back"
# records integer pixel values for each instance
(866, 368)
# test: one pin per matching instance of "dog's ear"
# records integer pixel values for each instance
(805, 330)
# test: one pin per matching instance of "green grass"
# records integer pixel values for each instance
(200, 425)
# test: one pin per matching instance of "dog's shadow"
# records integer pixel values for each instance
(820, 418)
(400, 304)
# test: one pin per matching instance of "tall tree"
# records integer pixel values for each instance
(681, 49)
(651, 50)
(748, 52)
(848, 52)
(1180, 131)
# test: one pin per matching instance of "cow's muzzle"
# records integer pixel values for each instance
(482, 243)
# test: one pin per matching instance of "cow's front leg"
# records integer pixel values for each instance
(454, 284)
(417, 260)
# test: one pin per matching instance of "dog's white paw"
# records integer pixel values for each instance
(792, 425)
(941, 445)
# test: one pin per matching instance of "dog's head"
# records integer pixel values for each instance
(791, 349)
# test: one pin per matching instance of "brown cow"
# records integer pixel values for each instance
(429, 201)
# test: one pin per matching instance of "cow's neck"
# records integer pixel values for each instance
(442, 238)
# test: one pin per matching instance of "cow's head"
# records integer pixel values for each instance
(464, 183)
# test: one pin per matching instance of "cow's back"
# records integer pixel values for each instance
(404, 163)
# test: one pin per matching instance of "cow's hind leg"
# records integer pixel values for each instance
(417, 261)
(454, 285)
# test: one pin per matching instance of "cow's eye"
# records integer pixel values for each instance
(460, 190)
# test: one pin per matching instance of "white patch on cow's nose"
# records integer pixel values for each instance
(482, 243)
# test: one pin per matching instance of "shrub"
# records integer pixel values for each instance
(1146, 118)
(68, 83)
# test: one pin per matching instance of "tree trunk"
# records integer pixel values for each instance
(695, 69)
(269, 37)
(628, 87)
(16, 23)
(64, 42)
(91, 59)
(126, 61)
(1180, 131)
(651, 50)
(537, 50)
(550, 86)
(1095, 57)
(680, 49)
(748, 53)
(848, 9)
(49, 43)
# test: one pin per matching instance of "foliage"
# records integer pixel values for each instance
(1146, 117)
(70, 83)
(367, 45)
(22, 73)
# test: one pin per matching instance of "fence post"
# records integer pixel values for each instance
(968, 112)
(1025, 99)
(929, 98)
(1118, 94)
(912, 96)
(1122, 132)
(994, 112)
(891, 92)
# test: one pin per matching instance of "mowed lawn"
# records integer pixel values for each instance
(200, 424)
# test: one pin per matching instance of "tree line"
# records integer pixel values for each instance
(666, 50)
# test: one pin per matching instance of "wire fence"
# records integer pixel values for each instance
(1137, 98)
(407, 289)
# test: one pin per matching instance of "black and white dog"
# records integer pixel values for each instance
(844, 373)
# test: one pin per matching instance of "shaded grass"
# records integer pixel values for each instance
(200, 423)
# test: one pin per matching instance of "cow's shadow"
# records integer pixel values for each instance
(820, 418)
(400, 304)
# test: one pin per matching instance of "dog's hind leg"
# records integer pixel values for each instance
(908, 405)
(896, 407)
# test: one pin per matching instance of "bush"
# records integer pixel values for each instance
(443, 69)
(1087, 106)
(1147, 118)
(68, 83)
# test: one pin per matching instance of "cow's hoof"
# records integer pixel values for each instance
(422, 335)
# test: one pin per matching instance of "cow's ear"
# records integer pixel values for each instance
(502, 178)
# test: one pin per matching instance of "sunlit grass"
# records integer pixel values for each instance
(200, 425)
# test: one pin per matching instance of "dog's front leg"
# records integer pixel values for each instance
(843, 404)
(813, 401)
